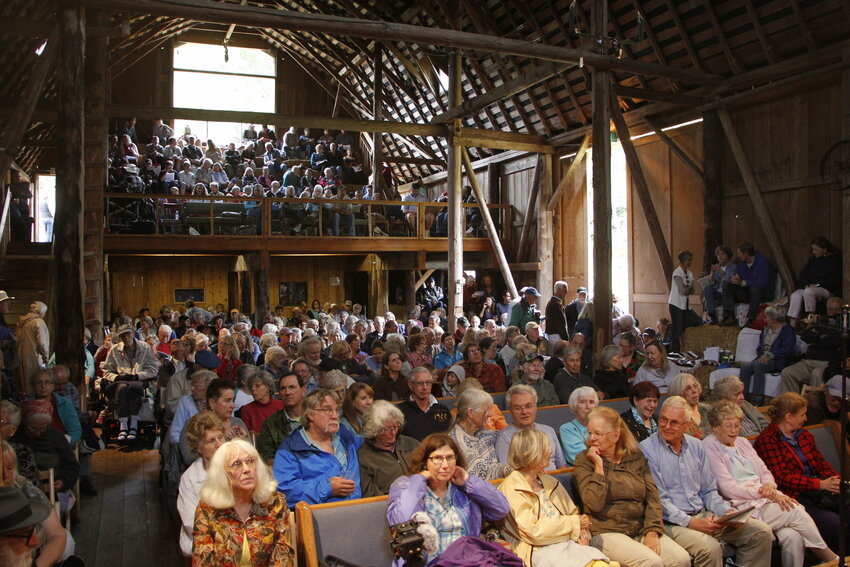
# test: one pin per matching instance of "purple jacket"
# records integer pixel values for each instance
(760, 274)
(783, 347)
(478, 552)
(476, 499)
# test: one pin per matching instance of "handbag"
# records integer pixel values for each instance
(823, 499)
(468, 551)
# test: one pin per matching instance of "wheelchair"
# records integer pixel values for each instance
(149, 418)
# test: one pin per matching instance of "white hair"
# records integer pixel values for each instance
(218, 490)
(582, 392)
(38, 307)
(378, 416)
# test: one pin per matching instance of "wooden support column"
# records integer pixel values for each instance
(378, 284)
(545, 230)
(525, 235)
(232, 290)
(712, 199)
(409, 292)
(454, 289)
(662, 249)
(245, 288)
(258, 262)
(601, 95)
(68, 229)
(845, 197)
(378, 137)
(95, 306)
(759, 204)
(491, 227)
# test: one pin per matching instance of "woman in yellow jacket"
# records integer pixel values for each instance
(544, 526)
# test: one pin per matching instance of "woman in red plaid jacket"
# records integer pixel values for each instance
(789, 451)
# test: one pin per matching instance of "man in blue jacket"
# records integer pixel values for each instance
(318, 461)
(752, 281)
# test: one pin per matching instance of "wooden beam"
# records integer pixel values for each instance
(662, 249)
(525, 235)
(646, 94)
(492, 232)
(760, 207)
(503, 91)
(845, 196)
(68, 285)
(415, 161)
(526, 267)
(505, 140)
(713, 190)
(377, 107)
(545, 232)
(601, 94)
(19, 121)
(454, 291)
(254, 16)
(428, 273)
(568, 176)
(677, 149)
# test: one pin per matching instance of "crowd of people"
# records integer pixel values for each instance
(325, 404)
(299, 166)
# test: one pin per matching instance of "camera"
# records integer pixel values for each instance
(407, 543)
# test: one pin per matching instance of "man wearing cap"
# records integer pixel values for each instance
(556, 314)
(532, 334)
(574, 308)
(525, 311)
(129, 363)
(19, 520)
(33, 341)
(532, 375)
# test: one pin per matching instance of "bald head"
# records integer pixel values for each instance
(834, 305)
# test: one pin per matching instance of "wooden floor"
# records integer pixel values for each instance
(125, 524)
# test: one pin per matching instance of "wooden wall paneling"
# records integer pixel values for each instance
(647, 275)
(317, 271)
(572, 242)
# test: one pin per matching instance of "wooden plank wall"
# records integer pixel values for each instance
(571, 235)
(146, 281)
(677, 194)
(785, 140)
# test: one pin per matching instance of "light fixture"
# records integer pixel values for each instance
(40, 49)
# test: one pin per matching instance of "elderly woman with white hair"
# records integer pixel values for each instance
(33, 339)
(574, 433)
(657, 368)
(743, 480)
(625, 325)
(731, 388)
(686, 386)
(384, 453)
(242, 519)
(776, 344)
(476, 442)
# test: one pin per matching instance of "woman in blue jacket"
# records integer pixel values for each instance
(318, 461)
(778, 343)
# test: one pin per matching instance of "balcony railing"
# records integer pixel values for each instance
(272, 217)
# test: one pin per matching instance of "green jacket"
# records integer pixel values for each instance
(379, 468)
(275, 429)
(521, 314)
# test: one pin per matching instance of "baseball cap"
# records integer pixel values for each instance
(581, 290)
(530, 290)
(207, 359)
(833, 386)
(5, 296)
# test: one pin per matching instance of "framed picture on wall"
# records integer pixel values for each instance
(182, 295)
(292, 293)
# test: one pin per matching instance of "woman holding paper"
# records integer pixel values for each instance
(744, 480)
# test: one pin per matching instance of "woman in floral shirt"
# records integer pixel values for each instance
(242, 521)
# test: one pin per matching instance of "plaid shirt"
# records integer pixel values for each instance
(782, 460)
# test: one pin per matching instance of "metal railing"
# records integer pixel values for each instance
(146, 214)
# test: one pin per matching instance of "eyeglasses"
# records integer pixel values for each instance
(473, 351)
(237, 465)
(421, 383)
(440, 459)
(389, 429)
(664, 421)
(28, 535)
(326, 410)
(731, 426)
(526, 407)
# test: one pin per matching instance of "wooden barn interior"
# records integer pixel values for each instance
(733, 117)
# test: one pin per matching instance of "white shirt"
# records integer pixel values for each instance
(677, 298)
(188, 498)
(241, 399)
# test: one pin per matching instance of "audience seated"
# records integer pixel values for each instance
(730, 388)
(574, 433)
(743, 479)
(423, 414)
(356, 402)
(776, 345)
(531, 374)
(610, 378)
(476, 442)
(318, 462)
(752, 281)
(640, 418)
(687, 387)
(489, 375)
(255, 413)
(621, 498)
(521, 402)
(278, 426)
(438, 483)
(544, 526)
(720, 274)
(384, 455)
(819, 279)
(657, 368)
(570, 377)
(824, 348)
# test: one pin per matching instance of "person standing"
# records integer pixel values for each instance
(33, 341)
(574, 308)
(682, 286)
(556, 314)
(525, 310)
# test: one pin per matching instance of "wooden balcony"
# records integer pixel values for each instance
(194, 224)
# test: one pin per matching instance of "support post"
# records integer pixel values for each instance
(601, 95)
(662, 249)
(259, 263)
(845, 197)
(409, 292)
(525, 235)
(759, 205)
(377, 137)
(488, 222)
(68, 232)
(232, 290)
(245, 292)
(712, 198)
(545, 230)
(454, 291)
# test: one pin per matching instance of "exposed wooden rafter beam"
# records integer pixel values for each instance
(676, 148)
(645, 94)
(254, 16)
(568, 176)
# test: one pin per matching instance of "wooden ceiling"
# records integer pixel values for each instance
(739, 44)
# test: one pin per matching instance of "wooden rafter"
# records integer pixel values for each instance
(676, 148)
(769, 53)
(683, 33)
(733, 61)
